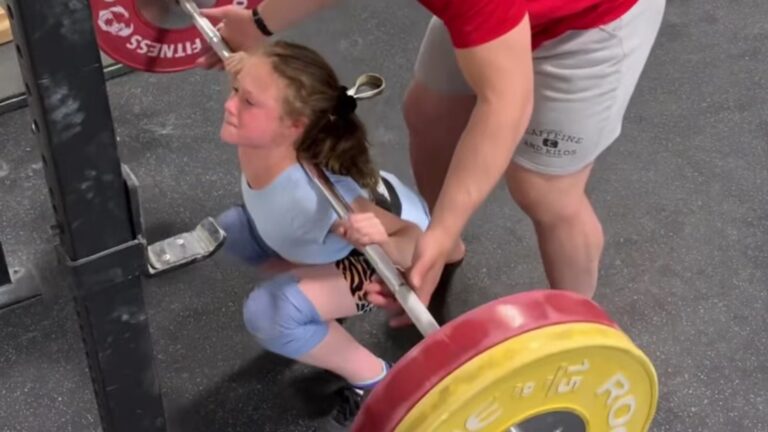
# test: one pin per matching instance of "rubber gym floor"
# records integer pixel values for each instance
(682, 196)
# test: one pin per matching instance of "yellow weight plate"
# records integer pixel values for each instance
(590, 370)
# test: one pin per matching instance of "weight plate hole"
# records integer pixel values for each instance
(167, 14)
(555, 421)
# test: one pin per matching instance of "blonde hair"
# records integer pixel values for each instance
(337, 143)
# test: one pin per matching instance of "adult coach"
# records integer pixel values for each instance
(528, 90)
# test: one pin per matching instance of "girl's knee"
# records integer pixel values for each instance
(282, 319)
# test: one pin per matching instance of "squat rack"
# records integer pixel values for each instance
(96, 208)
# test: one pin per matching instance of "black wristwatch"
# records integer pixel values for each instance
(260, 23)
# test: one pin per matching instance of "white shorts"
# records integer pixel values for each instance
(583, 82)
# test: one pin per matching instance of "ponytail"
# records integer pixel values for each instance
(338, 144)
(334, 138)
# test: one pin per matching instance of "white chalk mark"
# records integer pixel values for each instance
(64, 106)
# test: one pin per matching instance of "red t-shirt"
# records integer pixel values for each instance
(474, 22)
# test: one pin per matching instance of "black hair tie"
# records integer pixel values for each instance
(345, 103)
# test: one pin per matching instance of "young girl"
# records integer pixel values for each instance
(287, 105)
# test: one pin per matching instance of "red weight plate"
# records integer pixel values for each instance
(460, 340)
(126, 36)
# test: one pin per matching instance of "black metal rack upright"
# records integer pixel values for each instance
(5, 273)
(98, 232)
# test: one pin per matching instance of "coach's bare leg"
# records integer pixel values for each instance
(569, 233)
(435, 123)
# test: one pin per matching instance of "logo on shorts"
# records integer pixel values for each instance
(552, 143)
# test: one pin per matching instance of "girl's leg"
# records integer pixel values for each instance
(294, 315)
(245, 244)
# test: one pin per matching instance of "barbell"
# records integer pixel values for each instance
(538, 361)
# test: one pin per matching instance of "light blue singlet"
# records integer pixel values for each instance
(294, 218)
